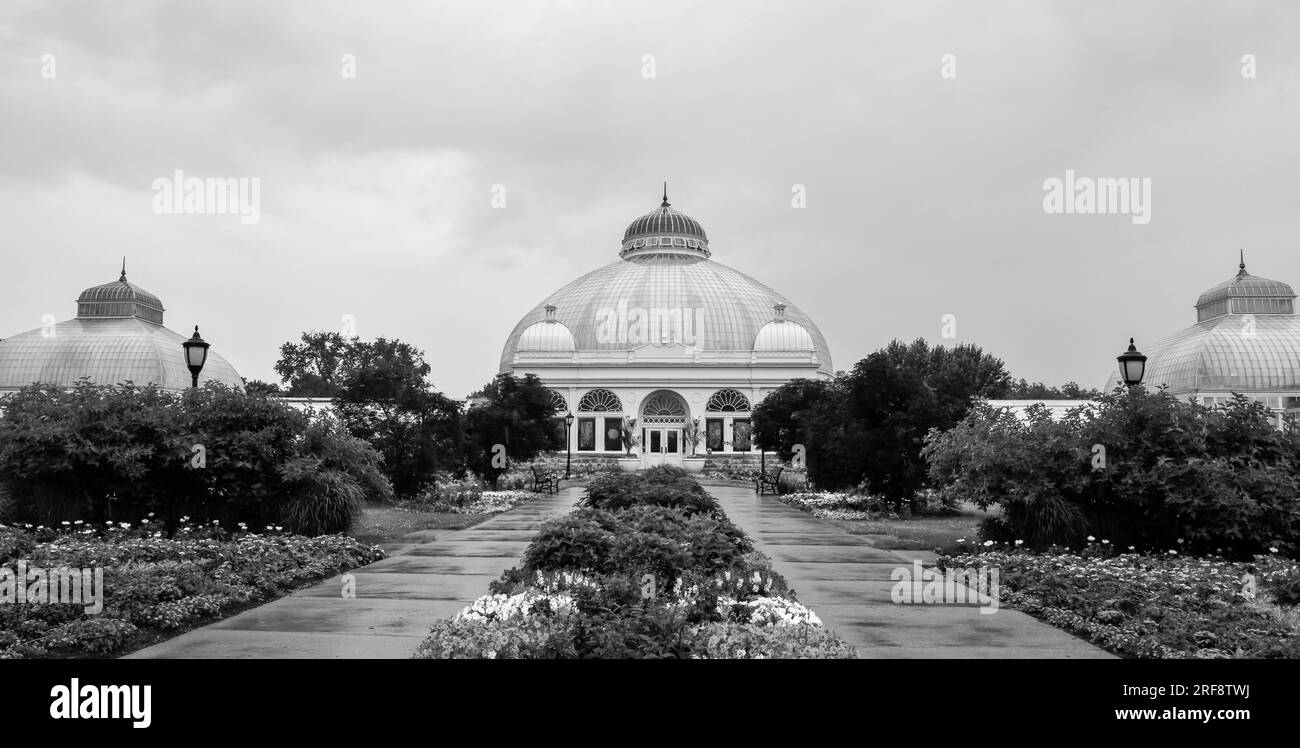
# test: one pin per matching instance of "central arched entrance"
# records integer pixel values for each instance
(663, 416)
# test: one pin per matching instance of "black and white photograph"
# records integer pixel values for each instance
(956, 335)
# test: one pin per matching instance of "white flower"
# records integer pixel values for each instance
(988, 543)
(1105, 542)
(1091, 538)
(1173, 553)
(1020, 542)
(1272, 549)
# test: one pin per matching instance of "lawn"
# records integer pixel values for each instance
(917, 533)
(387, 524)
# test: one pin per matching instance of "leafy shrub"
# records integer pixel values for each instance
(120, 453)
(331, 481)
(636, 553)
(1287, 590)
(664, 486)
(580, 540)
(15, 544)
(642, 631)
(1175, 475)
(94, 636)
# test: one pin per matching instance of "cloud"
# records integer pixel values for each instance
(924, 194)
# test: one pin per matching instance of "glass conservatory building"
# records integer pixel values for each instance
(117, 336)
(1246, 340)
(669, 337)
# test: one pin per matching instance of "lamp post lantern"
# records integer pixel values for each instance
(568, 442)
(196, 355)
(1132, 365)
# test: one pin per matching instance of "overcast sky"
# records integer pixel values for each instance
(924, 192)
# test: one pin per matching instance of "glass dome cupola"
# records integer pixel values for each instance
(665, 231)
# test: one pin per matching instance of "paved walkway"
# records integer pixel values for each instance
(396, 602)
(838, 574)
(847, 583)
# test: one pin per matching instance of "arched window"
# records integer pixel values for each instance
(599, 432)
(600, 401)
(663, 408)
(662, 404)
(727, 427)
(559, 403)
(727, 401)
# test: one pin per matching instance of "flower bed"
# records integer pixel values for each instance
(154, 584)
(1152, 605)
(828, 505)
(483, 502)
(648, 568)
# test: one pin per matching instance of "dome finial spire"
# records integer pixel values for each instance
(1242, 266)
(665, 203)
(123, 276)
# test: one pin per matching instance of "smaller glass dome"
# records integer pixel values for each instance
(119, 299)
(548, 335)
(1245, 294)
(1246, 339)
(117, 336)
(783, 335)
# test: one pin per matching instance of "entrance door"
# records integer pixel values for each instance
(661, 446)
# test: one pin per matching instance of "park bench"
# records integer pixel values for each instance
(544, 481)
(768, 481)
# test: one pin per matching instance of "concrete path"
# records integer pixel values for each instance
(435, 573)
(847, 583)
(431, 578)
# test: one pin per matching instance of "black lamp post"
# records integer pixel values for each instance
(1132, 365)
(568, 443)
(196, 355)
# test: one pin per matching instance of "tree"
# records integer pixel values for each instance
(777, 424)
(258, 387)
(868, 426)
(1023, 390)
(317, 366)
(518, 416)
(383, 397)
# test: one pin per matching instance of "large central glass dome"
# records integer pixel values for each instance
(665, 274)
